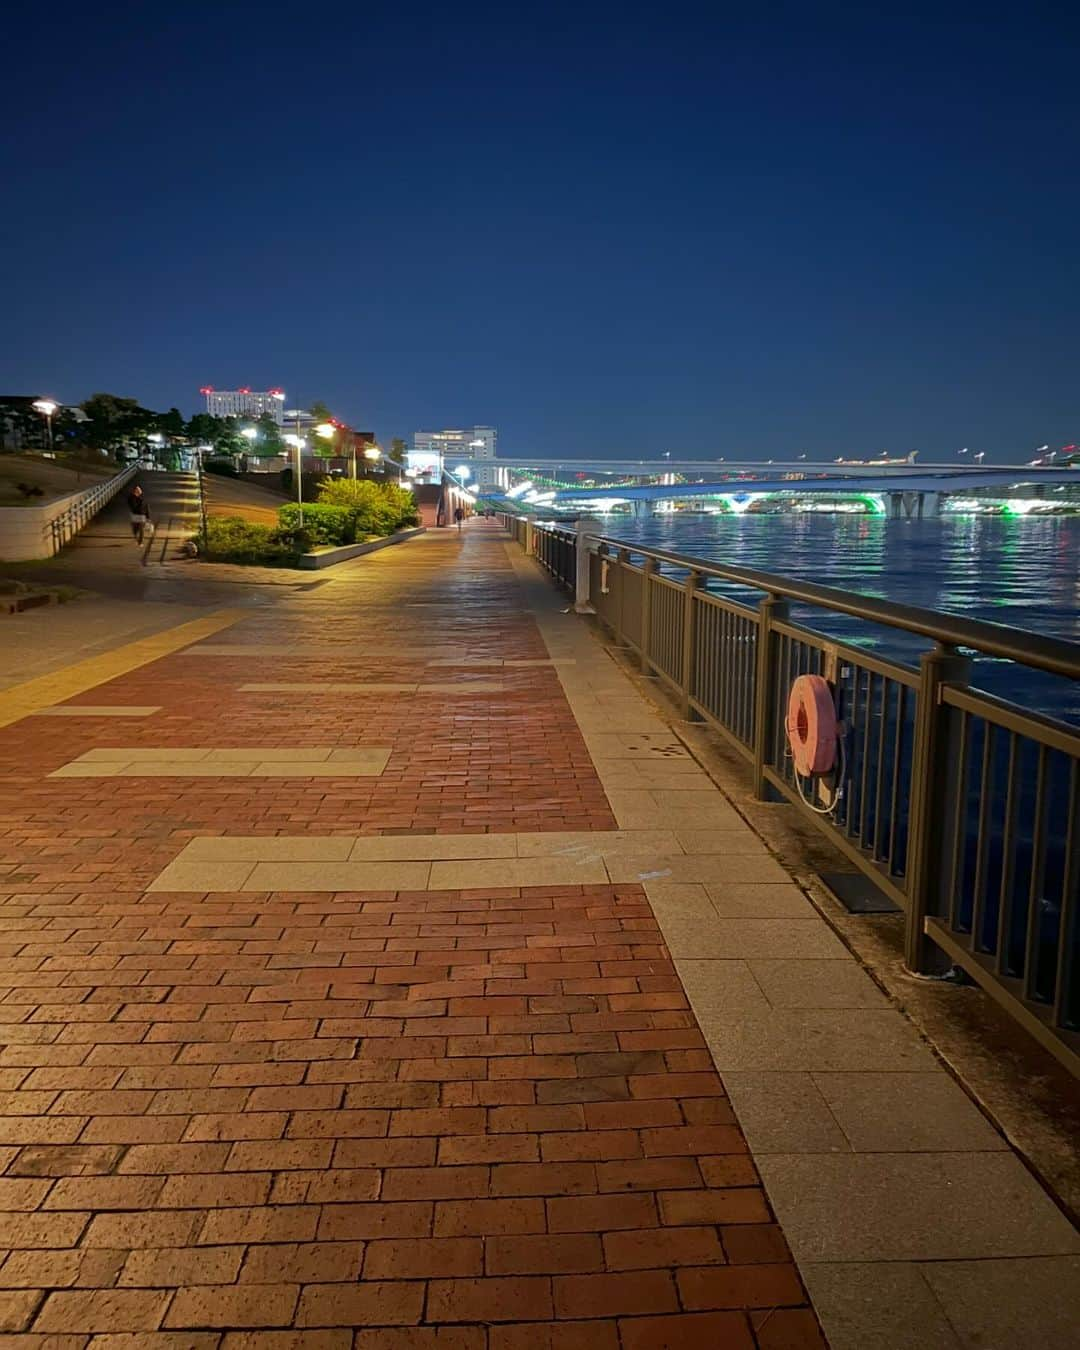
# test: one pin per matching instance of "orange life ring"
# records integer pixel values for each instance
(811, 725)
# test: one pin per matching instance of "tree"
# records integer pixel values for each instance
(229, 440)
(115, 423)
(398, 450)
(20, 426)
(204, 428)
(171, 423)
(269, 442)
(320, 412)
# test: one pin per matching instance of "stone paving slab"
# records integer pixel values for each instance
(470, 687)
(240, 762)
(914, 1206)
(97, 710)
(492, 860)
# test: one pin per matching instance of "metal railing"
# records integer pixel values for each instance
(82, 508)
(963, 808)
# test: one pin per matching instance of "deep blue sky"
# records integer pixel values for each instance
(601, 227)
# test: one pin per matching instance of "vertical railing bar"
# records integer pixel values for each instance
(894, 798)
(879, 778)
(982, 835)
(717, 683)
(864, 775)
(959, 825)
(782, 665)
(1070, 896)
(1008, 862)
(1038, 875)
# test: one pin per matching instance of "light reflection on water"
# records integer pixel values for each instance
(1019, 571)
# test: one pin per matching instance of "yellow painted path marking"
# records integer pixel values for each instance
(45, 690)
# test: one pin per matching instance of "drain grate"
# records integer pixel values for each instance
(858, 894)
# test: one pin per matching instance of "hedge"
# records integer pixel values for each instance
(321, 523)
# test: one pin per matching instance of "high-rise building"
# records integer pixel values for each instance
(244, 402)
(432, 449)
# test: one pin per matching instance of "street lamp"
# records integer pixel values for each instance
(372, 454)
(299, 443)
(326, 431)
(46, 407)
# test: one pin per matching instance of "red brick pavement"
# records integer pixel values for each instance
(458, 1120)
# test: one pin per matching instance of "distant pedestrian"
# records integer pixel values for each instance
(459, 516)
(139, 510)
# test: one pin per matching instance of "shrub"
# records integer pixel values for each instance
(232, 539)
(404, 506)
(376, 508)
(322, 524)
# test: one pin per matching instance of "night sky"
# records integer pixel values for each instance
(601, 228)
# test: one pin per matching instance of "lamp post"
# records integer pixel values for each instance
(326, 431)
(251, 435)
(46, 407)
(373, 454)
(298, 442)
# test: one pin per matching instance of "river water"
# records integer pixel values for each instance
(1023, 571)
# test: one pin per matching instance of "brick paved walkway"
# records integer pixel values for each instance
(462, 1119)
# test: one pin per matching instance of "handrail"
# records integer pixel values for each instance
(82, 506)
(1056, 656)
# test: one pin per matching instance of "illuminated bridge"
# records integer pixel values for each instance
(883, 487)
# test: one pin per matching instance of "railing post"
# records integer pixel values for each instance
(934, 779)
(647, 572)
(621, 557)
(690, 610)
(581, 575)
(771, 609)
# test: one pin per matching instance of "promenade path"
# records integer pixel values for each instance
(367, 961)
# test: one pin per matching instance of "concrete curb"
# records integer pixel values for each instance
(327, 557)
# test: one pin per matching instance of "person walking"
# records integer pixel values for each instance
(139, 510)
(459, 516)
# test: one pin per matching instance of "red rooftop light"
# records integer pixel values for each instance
(207, 389)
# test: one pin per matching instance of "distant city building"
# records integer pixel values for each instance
(245, 402)
(434, 449)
